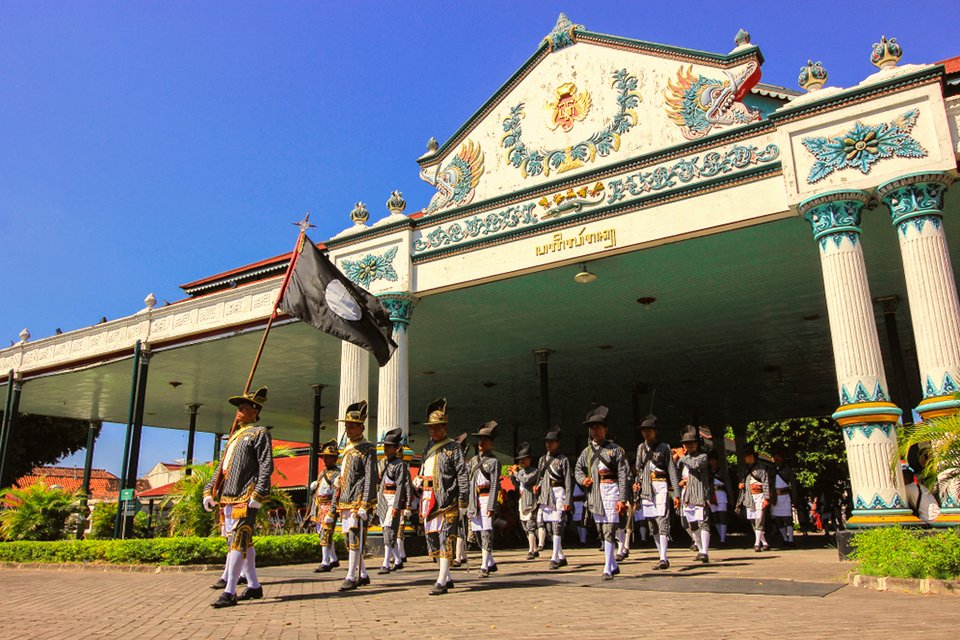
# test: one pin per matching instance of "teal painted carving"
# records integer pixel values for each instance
(371, 268)
(840, 218)
(742, 38)
(712, 164)
(886, 53)
(866, 430)
(457, 181)
(912, 200)
(863, 146)
(563, 34)
(813, 76)
(946, 388)
(533, 162)
(878, 503)
(399, 307)
(860, 394)
(697, 104)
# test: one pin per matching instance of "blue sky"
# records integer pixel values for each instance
(148, 144)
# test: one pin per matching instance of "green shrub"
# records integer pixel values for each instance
(37, 512)
(271, 550)
(908, 553)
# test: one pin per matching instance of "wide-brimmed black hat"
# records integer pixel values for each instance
(649, 422)
(487, 430)
(437, 412)
(523, 451)
(356, 412)
(257, 398)
(597, 415)
(329, 448)
(393, 437)
(689, 434)
(553, 434)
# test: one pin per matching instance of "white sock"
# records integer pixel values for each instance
(332, 553)
(582, 532)
(397, 560)
(532, 541)
(223, 576)
(662, 547)
(352, 564)
(234, 562)
(485, 559)
(608, 560)
(557, 551)
(790, 533)
(461, 554)
(705, 540)
(626, 540)
(541, 536)
(444, 574)
(249, 569)
(363, 565)
(387, 553)
(698, 543)
(656, 541)
(763, 538)
(620, 536)
(401, 550)
(722, 530)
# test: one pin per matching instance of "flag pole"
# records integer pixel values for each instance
(304, 225)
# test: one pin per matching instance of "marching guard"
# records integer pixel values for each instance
(695, 487)
(785, 494)
(443, 481)
(755, 495)
(323, 510)
(719, 500)
(392, 499)
(483, 473)
(525, 477)
(357, 495)
(240, 485)
(555, 494)
(602, 470)
(657, 475)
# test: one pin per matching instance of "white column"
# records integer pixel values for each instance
(393, 396)
(354, 379)
(916, 209)
(866, 415)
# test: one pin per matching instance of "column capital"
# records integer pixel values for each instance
(915, 196)
(836, 213)
(399, 306)
(542, 355)
(888, 304)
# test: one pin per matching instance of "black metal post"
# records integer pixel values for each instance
(126, 441)
(542, 356)
(898, 390)
(192, 436)
(11, 424)
(134, 460)
(216, 446)
(313, 469)
(3, 423)
(85, 491)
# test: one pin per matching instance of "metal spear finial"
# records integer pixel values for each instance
(305, 223)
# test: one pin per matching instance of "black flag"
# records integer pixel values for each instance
(319, 294)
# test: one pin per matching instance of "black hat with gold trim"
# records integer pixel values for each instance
(597, 415)
(257, 398)
(437, 412)
(487, 430)
(329, 448)
(356, 412)
(394, 437)
(523, 451)
(689, 434)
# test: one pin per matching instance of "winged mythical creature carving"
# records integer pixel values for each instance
(698, 103)
(457, 181)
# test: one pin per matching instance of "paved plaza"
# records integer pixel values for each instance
(741, 594)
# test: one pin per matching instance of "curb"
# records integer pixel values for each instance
(123, 568)
(905, 585)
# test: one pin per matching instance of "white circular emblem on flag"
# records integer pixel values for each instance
(341, 302)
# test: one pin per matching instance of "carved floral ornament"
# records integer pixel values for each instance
(371, 267)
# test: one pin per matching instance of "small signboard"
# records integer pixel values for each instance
(126, 494)
(131, 507)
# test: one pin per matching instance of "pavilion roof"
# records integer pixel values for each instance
(103, 484)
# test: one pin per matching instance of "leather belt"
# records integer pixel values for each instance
(389, 492)
(756, 488)
(607, 481)
(324, 499)
(657, 475)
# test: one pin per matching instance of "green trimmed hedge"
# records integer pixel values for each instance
(908, 553)
(271, 550)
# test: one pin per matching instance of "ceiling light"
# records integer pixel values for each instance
(584, 276)
(646, 301)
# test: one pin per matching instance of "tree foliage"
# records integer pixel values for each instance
(938, 440)
(37, 512)
(37, 441)
(814, 448)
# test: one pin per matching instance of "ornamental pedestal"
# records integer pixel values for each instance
(866, 416)
(354, 379)
(916, 208)
(393, 397)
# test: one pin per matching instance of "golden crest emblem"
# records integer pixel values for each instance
(569, 108)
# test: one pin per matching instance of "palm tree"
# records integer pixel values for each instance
(37, 512)
(939, 441)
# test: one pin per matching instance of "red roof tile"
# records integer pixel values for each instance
(160, 492)
(951, 65)
(103, 484)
